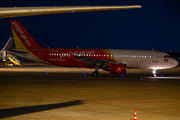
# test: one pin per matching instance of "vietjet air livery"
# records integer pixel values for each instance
(113, 60)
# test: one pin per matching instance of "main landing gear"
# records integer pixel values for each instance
(95, 73)
(154, 72)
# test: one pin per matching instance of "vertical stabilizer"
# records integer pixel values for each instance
(22, 38)
(8, 44)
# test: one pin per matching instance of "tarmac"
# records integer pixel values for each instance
(56, 93)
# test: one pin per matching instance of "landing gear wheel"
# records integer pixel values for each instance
(95, 73)
(154, 72)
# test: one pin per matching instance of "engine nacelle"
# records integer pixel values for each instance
(118, 68)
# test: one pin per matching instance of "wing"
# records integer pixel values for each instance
(29, 11)
(95, 61)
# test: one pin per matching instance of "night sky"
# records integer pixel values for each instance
(155, 25)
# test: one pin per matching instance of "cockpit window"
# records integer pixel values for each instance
(166, 56)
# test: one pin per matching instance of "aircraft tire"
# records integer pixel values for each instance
(95, 73)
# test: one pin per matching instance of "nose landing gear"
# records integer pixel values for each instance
(154, 72)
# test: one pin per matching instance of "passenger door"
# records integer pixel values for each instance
(41, 54)
(155, 56)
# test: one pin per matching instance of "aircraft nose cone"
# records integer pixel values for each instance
(176, 63)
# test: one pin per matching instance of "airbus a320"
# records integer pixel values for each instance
(113, 60)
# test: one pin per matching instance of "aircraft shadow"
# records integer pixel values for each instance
(4, 113)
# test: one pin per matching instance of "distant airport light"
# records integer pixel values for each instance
(122, 75)
(85, 74)
(46, 73)
(161, 75)
(73, 11)
(141, 79)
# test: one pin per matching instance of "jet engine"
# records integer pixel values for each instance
(118, 68)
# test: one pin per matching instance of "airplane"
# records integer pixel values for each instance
(114, 60)
(7, 12)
